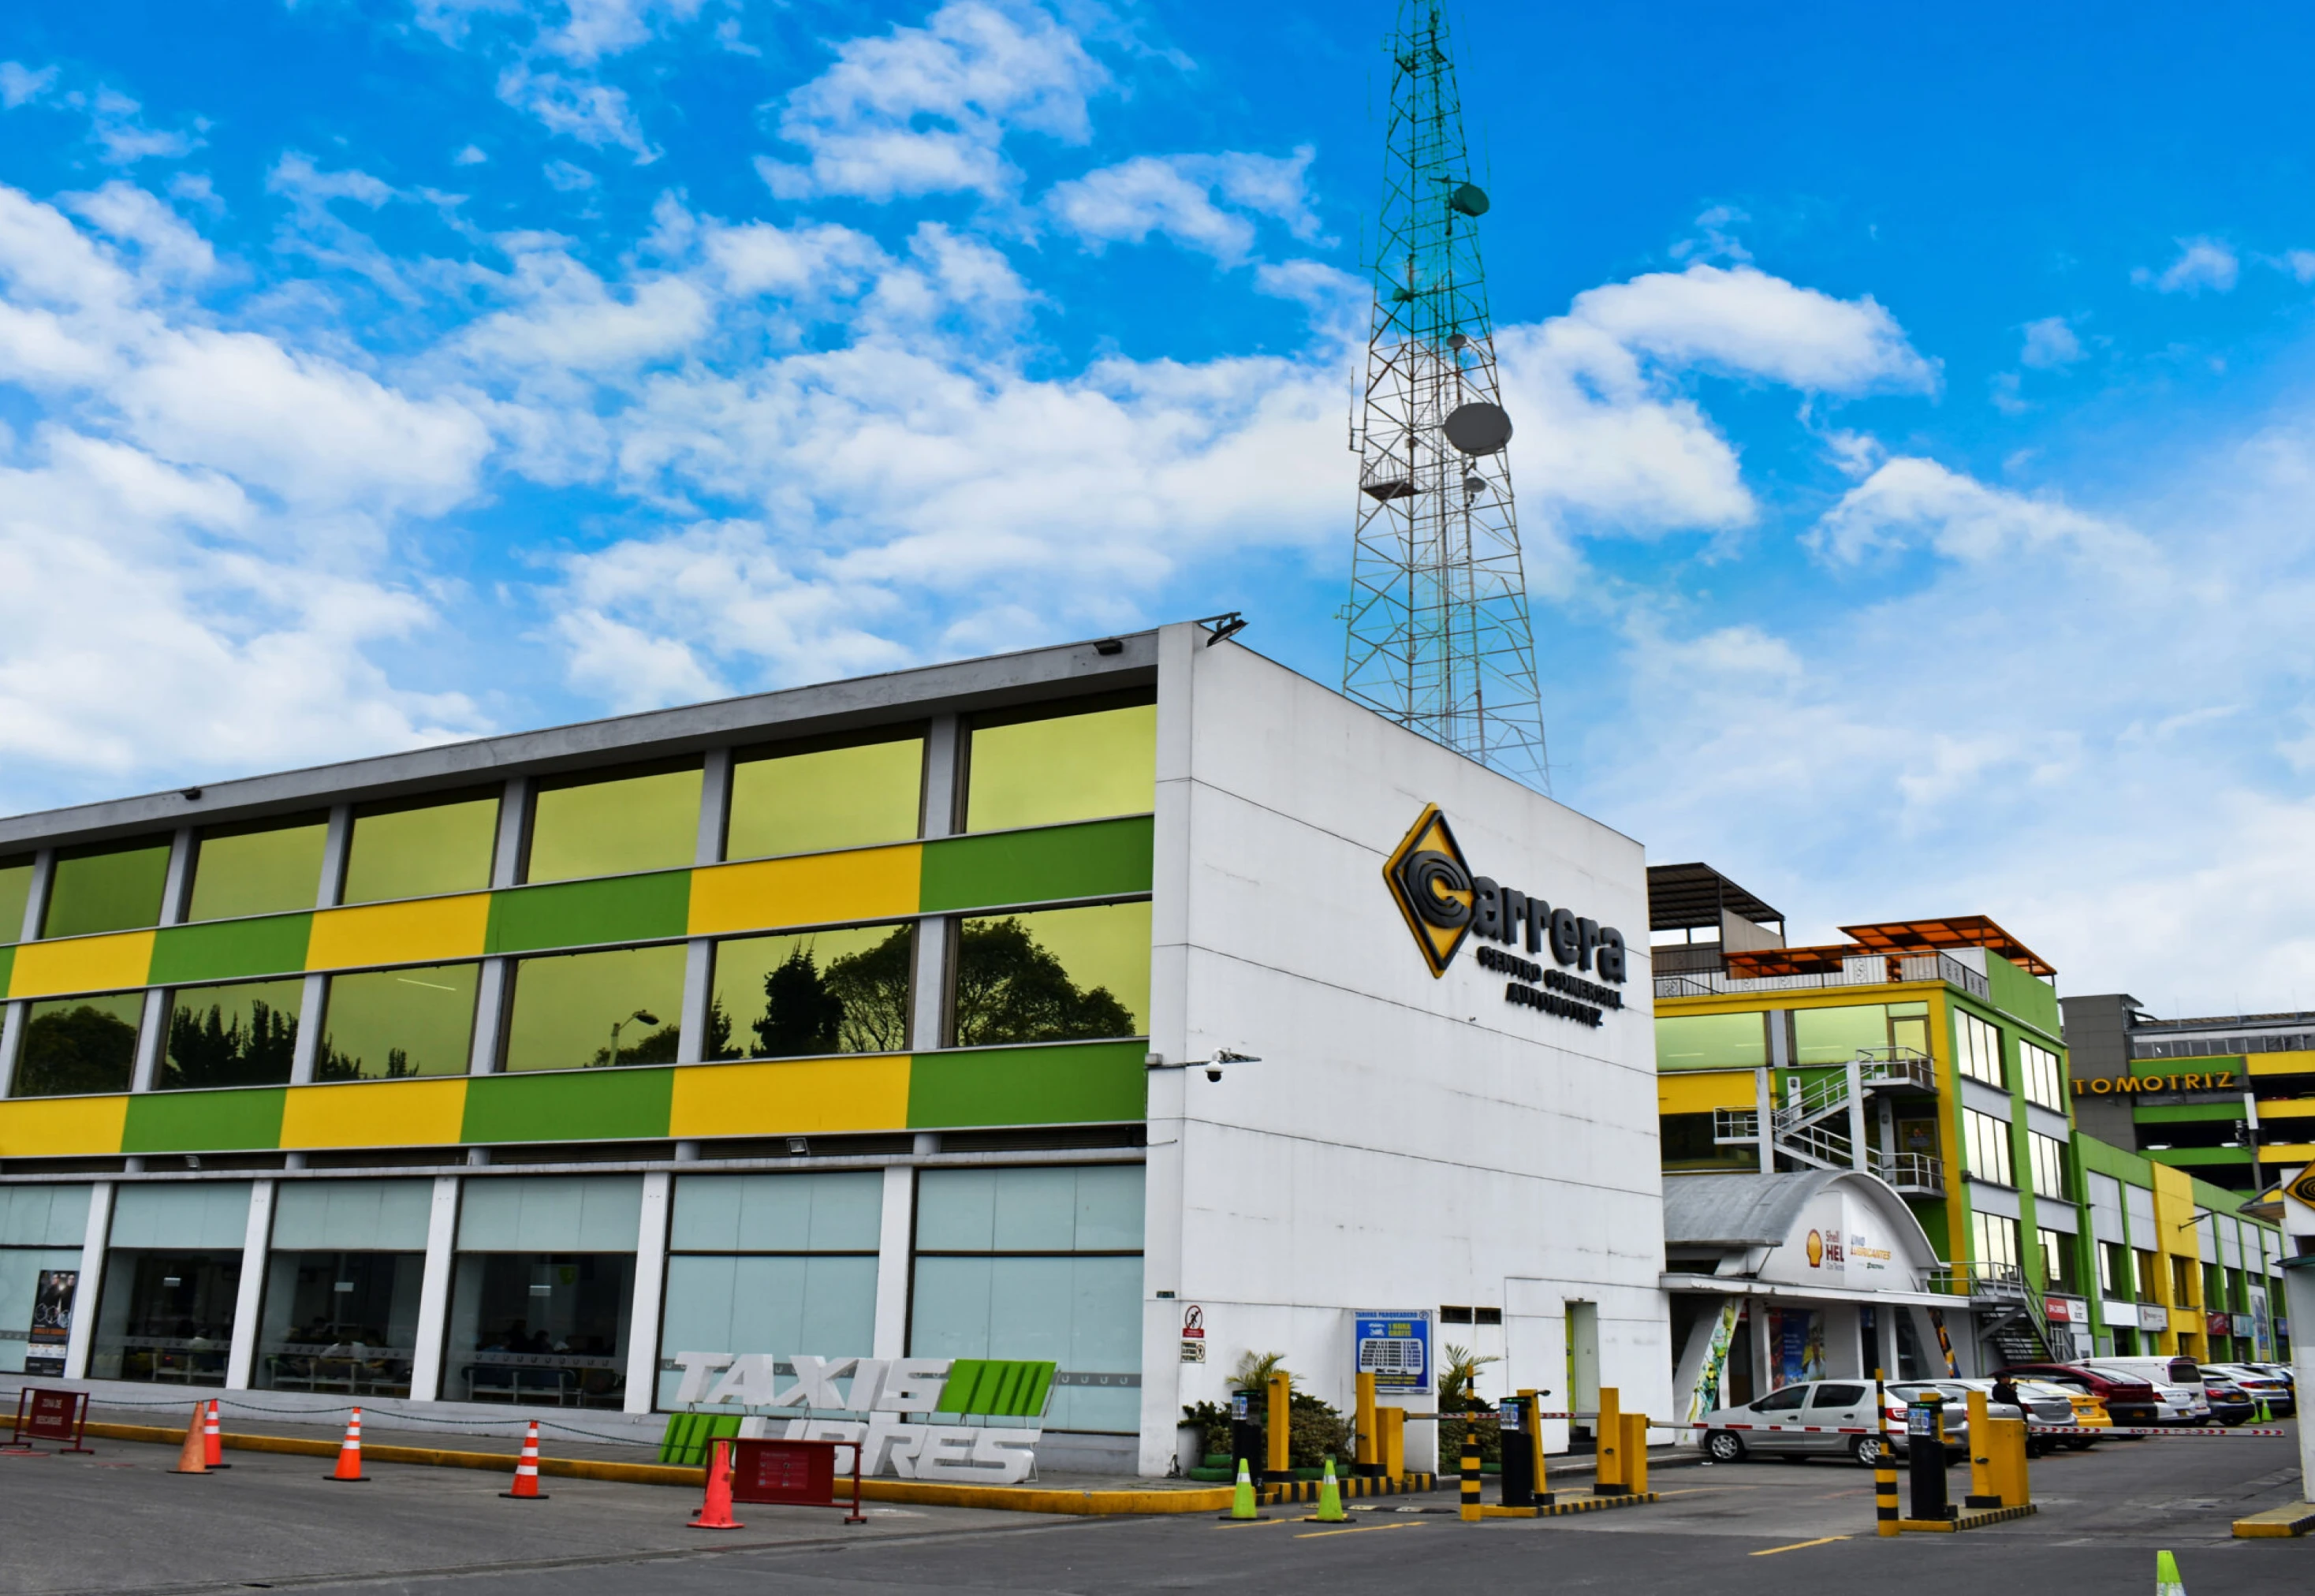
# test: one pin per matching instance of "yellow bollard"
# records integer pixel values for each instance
(1368, 1459)
(2005, 1451)
(1984, 1488)
(1609, 1481)
(1280, 1422)
(1535, 1440)
(1392, 1439)
(1635, 1454)
(1885, 1465)
(1470, 1509)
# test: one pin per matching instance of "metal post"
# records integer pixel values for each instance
(1470, 1470)
(1277, 1466)
(1368, 1461)
(1609, 1478)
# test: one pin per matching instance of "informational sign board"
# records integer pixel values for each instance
(1193, 1334)
(1395, 1347)
(51, 1327)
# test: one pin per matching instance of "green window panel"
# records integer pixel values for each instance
(204, 1121)
(820, 992)
(1712, 1041)
(422, 850)
(1039, 767)
(625, 908)
(106, 889)
(1095, 860)
(258, 869)
(238, 1035)
(273, 945)
(7, 966)
(77, 1045)
(1060, 975)
(1050, 1085)
(997, 1387)
(390, 1025)
(2159, 1114)
(573, 1011)
(590, 1105)
(15, 891)
(790, 801)
(639, 820)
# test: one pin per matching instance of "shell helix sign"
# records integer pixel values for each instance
(1445, 904)
(917, 1410)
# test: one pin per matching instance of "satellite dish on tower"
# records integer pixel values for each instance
(1478, 428)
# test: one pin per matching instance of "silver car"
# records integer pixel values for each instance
(1817, 1409)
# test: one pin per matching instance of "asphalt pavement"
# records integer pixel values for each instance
(117, 1522)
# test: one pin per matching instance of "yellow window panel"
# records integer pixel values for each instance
(809, 889)
(2280, 1064)
(62, 1126)
(1701, 1091)
(375, 1113)
(2295, 1108)
(82, 964)
(421, 931)
(792, 1097)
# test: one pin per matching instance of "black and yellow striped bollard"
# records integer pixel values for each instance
(1885, 1465)
(1471, 1515)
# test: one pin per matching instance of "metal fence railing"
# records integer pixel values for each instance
(1864, 970)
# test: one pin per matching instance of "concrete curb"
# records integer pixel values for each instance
(2293, 1518)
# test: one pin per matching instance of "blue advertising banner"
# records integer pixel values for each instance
(1395, 1348)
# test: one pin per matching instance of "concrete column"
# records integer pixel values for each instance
(257, 1243)
(895, 1253)
(715, 806)
(942, 749)
(698, 986)
(434, 1290)
(1858, 1148)
(308, 1045)
(12, 1035)
(1764, 1108)
(36, 901)
(2299, 1297)
(650, 1291)
(152, 1035)
(929, 990)
(340, 838)
(491, 986)
(177, 886)
(92, 1268)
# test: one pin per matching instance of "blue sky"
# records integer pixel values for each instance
(1915, 402)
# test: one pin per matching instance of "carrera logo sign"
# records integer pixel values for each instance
(1444, 904)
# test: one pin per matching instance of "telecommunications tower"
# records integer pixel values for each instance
(1439, 639)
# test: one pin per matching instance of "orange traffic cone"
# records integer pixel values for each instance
(349, 1469)
(193, 1458)
(213, 1439)
(526, 1472)
(715, 1513)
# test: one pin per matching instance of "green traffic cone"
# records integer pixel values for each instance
(1242, 1499)
(2167, 1581)
(1330, 1497)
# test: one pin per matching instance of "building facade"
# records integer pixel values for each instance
(863, 1021)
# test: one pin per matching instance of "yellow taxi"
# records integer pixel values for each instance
(2090, 1411)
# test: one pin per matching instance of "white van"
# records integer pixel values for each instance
(2177, 1384)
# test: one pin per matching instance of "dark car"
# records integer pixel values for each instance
(2230, 1405)
(2129, 1400)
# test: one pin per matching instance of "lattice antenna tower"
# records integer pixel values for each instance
(1439, 636)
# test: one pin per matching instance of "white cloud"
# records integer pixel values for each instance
(118, 126)
(470, 156)
(2202, 263)
(2299, 263)
(1915, 503)
(926, 109)
(593, 29)
(594, 113)
(20, 83)
(566, 177)
(1743, 320)
(167, 246)
(1173, 196)
(2050, 344)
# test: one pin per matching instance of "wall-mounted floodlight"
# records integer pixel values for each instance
(1212, 1067)
(1229, 623)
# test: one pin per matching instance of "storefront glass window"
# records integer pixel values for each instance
(803, 802)
(1040, 1263)
(1712, 1041)
(2043, 1081)
(1837, 1035)
(644, 820)
(106, 889)
(1060, 975)
(1977, 1048)
(341, 1284)
(569, 1009)
(779, 1264)
(843, 991)
(1041, 768)
(418, 850)
(172, 1274)
(239, 1035)
(79, 1044)
(254, 870)
(387, 1024)
(541, 1289)
(41, 1228)
(15, 891)
(1985, 1142)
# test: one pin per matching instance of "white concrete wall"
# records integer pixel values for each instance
(1406, 1142)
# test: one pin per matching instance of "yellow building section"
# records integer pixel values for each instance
(62, 1126)
(2284, 1154)
(810, 890)
(2291, 1108)
(798, 1097)
(1701, 1091)
(421, 931)
(2280, 1064)
(375, 1113)
(82, 964)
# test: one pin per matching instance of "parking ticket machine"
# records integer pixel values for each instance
(1925, 1451)
(1248, 1439)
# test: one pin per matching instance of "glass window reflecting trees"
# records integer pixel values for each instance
(78, 1044)
(840, 991)
(801, 799)
(575, 1011)
(1043, 766)
(644, 819)
(541, 1288)
(110, 888)
(243, 1035)
(15, 891)
(1057, 975)
(387, 1024)
(267, 868)
(419, 850)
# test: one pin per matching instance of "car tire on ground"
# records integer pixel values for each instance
(1722, 1447)
(1866, 1449)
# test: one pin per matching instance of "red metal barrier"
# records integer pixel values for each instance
(793, 1474)
(50, 1415)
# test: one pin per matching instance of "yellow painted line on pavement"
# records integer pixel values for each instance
(1797, 1546)
(1354, 1529)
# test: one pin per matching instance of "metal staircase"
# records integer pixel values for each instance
(1813, 1126)
(2010, 1316)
